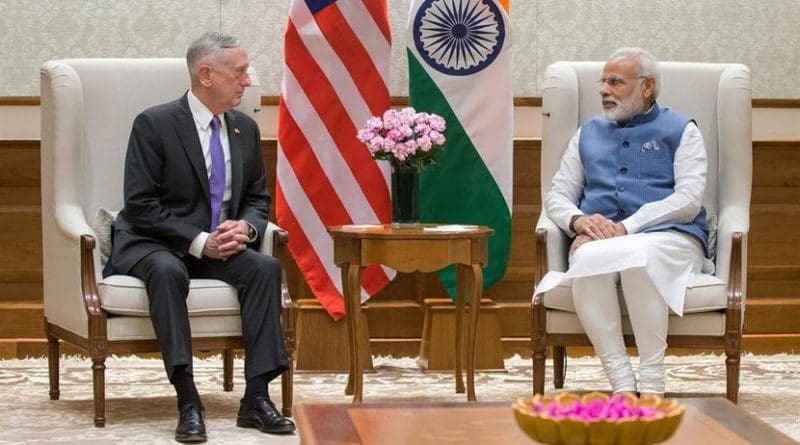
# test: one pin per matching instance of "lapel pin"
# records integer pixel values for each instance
(236, 130)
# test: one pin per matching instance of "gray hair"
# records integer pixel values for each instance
(209, 44)
(648, 64)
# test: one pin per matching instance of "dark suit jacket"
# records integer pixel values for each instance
(166, 184)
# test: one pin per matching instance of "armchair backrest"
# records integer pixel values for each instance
(88, 107)
(716, 95)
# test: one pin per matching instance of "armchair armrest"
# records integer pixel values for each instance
(91, 298)
(70, 299)
(731, 263)
(72, 223)
(736, 285)
(274, 243)
(553, 243)
(274, 236)
(732, 220)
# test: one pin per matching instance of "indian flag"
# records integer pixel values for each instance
(459, 63)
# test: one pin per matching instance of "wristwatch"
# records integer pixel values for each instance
(252, 233)
(572, 222)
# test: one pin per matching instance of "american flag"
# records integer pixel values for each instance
(336, 75)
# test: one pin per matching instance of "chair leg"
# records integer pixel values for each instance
(559, 362)
(287, 388)
(53, 357)
(538, 371)
(732, 363)
(289, 318)
(227, 370)
(539, 347)
(99, 382)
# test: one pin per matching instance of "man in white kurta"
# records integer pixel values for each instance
(629, 189)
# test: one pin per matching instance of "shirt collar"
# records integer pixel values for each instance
(202, 115)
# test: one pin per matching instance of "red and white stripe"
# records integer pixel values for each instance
(336, 76)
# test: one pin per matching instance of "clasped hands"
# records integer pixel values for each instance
(594, 227)
(228, 239)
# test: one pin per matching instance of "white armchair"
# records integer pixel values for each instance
(718, 97)
(88, 107)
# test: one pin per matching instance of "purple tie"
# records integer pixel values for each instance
(216, 182)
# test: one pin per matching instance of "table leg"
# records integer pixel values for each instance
(475, 289)
(351, 284)
(459, 343)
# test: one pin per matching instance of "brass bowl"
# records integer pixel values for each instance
(542, 427)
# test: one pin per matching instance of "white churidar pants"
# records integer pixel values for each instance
(653, 271)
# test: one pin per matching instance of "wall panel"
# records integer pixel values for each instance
(772, 321)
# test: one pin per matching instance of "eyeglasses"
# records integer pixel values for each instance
(614, 81)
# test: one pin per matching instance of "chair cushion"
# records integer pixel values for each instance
(706, 293)
(126, 295)
(103, 229)
(141, 328)
(698, 323)
(713, 225)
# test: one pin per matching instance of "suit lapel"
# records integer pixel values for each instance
(235, 144)
(187, 132)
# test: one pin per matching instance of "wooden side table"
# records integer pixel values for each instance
(425, 248)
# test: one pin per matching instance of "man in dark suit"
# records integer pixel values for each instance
(194, 202)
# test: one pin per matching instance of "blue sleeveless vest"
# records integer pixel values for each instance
(628, 164)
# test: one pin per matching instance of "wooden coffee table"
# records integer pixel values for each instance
(707, 421)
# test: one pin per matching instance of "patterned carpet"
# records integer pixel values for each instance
(141, 404)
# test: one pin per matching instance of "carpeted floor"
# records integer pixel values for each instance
(141, 404)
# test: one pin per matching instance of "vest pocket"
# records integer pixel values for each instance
(656, 164)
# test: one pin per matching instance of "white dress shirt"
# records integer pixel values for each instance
(202, 121)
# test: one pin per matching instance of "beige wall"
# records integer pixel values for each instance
(760, 33)
(545, 31)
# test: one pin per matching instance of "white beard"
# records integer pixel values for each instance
(626, 108)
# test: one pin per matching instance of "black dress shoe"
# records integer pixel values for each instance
(191, 428)
(263, 416)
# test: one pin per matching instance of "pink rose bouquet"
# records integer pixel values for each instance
(404, 137)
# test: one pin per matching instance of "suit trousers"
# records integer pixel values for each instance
(256, 277)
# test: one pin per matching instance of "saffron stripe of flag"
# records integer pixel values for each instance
(336, 76)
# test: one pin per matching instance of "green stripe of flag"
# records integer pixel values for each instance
(460, 189)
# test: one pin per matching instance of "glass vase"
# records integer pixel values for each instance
(405, 196)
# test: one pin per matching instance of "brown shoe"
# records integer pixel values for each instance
(191, 428)
(263, 416)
